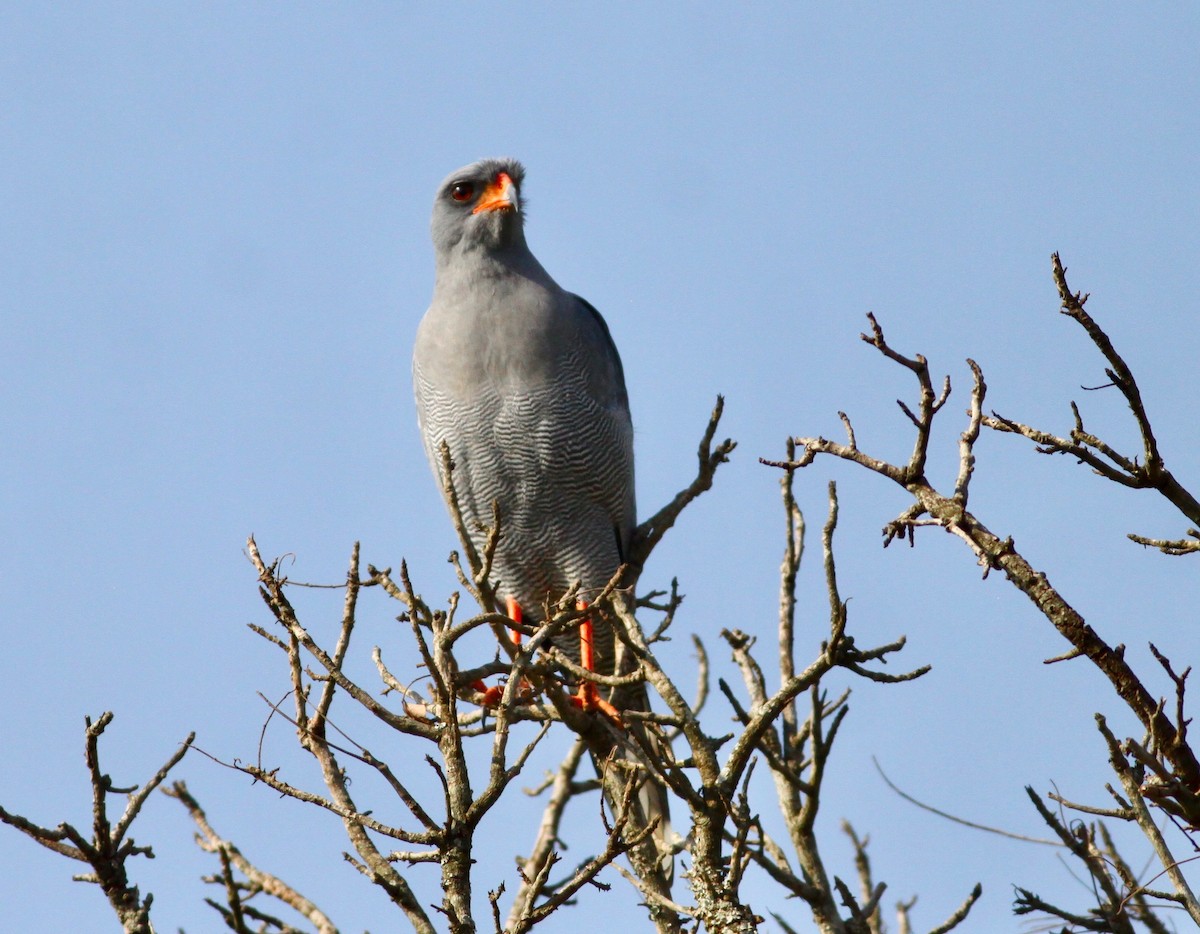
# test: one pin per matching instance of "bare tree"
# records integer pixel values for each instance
(420, 847)
(1158, 773)
(110, 847)
(790, 732)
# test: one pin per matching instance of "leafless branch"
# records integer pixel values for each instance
(1149, 472)
(257, 880)
(992, 551)
(650, 532)
(110, 846)
(1180, 546)
(958, 820)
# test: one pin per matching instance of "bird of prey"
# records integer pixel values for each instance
(522, 381)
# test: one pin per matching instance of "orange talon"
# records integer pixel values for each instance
(588, 697)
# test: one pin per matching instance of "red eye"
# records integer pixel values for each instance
(462, 191)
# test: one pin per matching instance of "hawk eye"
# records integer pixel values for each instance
(462, 191)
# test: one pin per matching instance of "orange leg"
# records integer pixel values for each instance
(588, 696)
(515, 614)
(492, 695)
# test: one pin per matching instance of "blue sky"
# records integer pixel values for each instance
(215, 254)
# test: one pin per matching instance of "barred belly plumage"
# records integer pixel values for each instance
(558, 465)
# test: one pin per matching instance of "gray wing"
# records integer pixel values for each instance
(610, 349)
(608, 386)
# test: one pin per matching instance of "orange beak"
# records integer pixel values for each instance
(500, 195)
